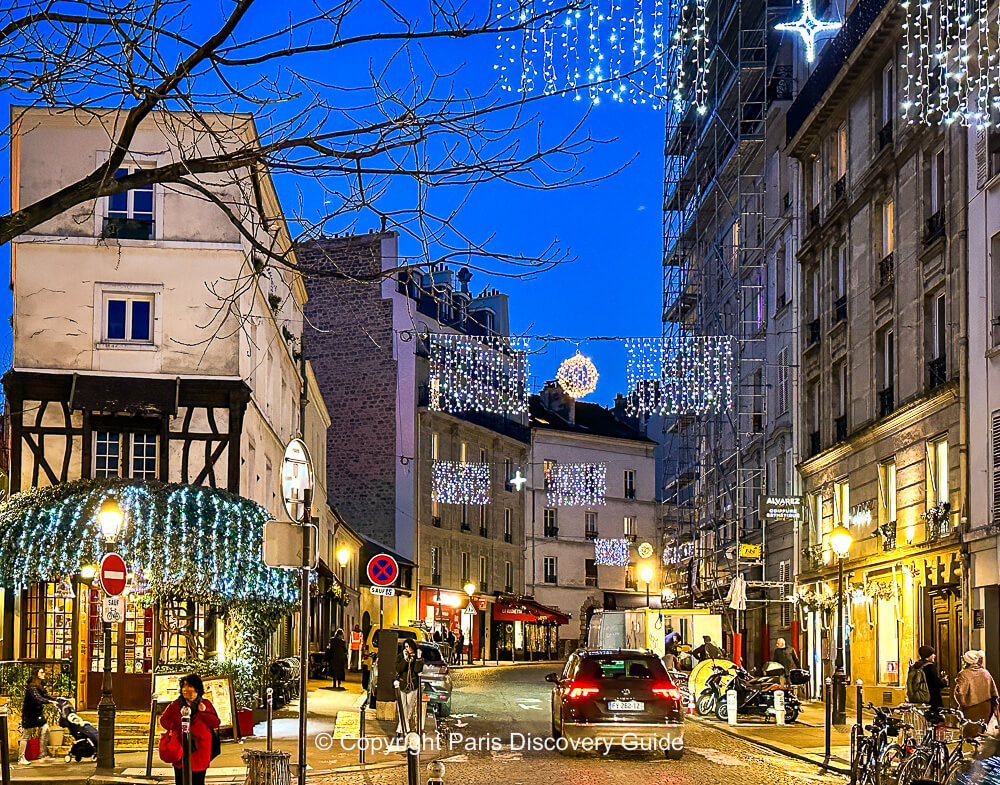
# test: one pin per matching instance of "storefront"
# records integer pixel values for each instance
(525, 630)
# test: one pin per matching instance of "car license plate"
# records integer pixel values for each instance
(626, 705)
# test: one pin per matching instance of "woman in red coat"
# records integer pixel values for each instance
(203, 721)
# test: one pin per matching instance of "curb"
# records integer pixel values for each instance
(506, 664)
(788, 752)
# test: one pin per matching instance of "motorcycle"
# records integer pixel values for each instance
(713, 691)
(755, 696)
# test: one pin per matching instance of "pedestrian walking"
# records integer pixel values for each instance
(408, 665)
(924, 682)
(459, 643)
(786, 657)
(708, 650)
(670, 650)
(33, 722)
(204, 737)
(975, 691)
(356, 640)
(337, 659)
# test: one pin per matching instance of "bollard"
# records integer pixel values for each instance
(860, 701)
(361, 732)
(270, 716)
(186, 743)
(731, 706)
(420, 705)
(779, 707)
(827, 695)
(4, 749)
(412, 758)
(435, 773)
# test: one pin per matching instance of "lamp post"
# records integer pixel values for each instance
(647, 575)
(343, 556)
(840, 544)
(110, 518)
(470, 589)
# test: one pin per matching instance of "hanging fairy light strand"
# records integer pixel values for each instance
(612, 553)
(477, 374)
(456, 482)
(576, 484)
(613, 48)
(680, 374)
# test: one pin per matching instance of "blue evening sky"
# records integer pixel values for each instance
(612, 228)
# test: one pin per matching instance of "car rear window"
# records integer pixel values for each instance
(622, 668)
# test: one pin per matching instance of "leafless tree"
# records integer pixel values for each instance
(245, 87)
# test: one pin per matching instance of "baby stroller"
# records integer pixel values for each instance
(84, 734)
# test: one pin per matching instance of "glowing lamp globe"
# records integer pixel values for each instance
(110, 517)
(470, 589)
(646, 574)
(343, 556)
(840, 542)
(577, 376)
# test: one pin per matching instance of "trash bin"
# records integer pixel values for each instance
(267, 768)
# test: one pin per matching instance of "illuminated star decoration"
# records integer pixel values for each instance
(518, 480)
(808, 26)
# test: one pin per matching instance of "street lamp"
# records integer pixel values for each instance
(840, 544)
(647, 575)
(343, 556)
(110, 518)
(470, 589)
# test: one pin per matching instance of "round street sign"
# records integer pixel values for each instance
(296, 478)
(383, 570)
(114, 574)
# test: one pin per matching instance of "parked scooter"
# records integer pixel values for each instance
(713, 691)
(755, 695)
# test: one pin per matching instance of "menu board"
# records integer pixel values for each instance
(218, 689)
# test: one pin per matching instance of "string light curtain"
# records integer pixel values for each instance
(951, 70)
(612, 553)
(598, 49)
(680, 374)
(454, 482)
(690, 54)
(477, 374)
(576, 484)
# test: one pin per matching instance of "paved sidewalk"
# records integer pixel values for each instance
(804, 740)
(326, 753)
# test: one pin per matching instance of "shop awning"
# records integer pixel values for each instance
(527, 610)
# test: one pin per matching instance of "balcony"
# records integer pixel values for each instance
(436, 521)
(484, 531)
(840, 428)
(813, 333)
(508, 538)
(814, 556)
(120, 228)
(888, 533)
(815, 446)
(812, 219)
(885, 136)
(840, 189)
(591, 534)
(840, 309)
(887, 270)
(466, 527)
(886, 401)
(436, 579)
(590, 580)
(937, 372)
(551, 532)
(934, 227)
(630, 493)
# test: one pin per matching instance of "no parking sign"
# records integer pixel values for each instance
(383, 570)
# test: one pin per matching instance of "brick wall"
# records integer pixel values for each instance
(349, 343)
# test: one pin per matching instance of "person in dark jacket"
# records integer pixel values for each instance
(33, 720)
(204, 720)
(936, 681)
(459, 643)
(408, 665)
(708, 650)
(786, 657)
(337, 657)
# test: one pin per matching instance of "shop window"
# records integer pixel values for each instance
(47, 619)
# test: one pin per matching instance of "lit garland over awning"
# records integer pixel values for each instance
(187, 541)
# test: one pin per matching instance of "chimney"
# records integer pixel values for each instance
(555, 399)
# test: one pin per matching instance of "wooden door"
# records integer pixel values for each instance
(131, 656)
(943, 625)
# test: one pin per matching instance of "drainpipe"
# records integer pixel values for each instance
(961, 245)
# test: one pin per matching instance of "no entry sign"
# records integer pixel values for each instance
(383, 570)
(114, 574)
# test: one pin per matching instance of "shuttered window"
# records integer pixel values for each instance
(995, 436)
(782, 395)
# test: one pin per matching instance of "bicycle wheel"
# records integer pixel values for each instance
(860, 760)
(913, 767)
(857, 734)
(890, 761)
(959, 771)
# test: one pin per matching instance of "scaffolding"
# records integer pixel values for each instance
(714, 284)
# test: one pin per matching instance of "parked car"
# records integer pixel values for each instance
(435, 677)
(619, 697)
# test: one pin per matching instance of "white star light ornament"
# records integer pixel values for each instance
(518, 480)
(808, 26)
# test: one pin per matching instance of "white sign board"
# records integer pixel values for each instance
(113, 610)
(296, 478)
(283, 545)
(383, 591)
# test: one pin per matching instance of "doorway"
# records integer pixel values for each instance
(942, 627)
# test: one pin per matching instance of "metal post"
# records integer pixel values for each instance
(647, 594)
(186, 743)
(828, 706)
(152, 737)
(860, 700)
(4, 751)
(361, 732)
(304, 618)
(270, 715)
(106, 708)
(839, 676)
(413, 761)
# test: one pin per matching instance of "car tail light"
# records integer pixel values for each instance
(667, 692)
(580, 691)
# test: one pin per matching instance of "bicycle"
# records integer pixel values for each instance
(931, 758)
(874, 760)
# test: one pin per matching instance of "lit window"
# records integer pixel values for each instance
(937, 472)
(887, 492)
(841, 503)
(107, 454)
(144, 456)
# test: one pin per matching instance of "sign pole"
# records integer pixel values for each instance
(304, 633)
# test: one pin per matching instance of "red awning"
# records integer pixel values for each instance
(527, 610)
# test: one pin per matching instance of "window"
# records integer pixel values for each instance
(630, 577)
(936, 183)
(508, 571)
(840, 388)
(781, 394)
(482, 519)
(482, 455)
(144, 456)
(888, 227)
(435, 446)
(550, 522)
(815, 292)
(463, 452)
(551, 569)
(590, 572)
(128, 318)
(887, 635)
(435, 561)
(466, 570)
(815, 513)
(995, 288)
(107, 454)
(888, 94)
(887, 492)
(508, 472)
(817, 182)
(508, 529)
(630, 527)
(995, 468)
(590, 525)
(937, 472)
(939, 326)
(841, 503)
(780, 285)
(130, 214)
(548, 466)
(483, 576)
(629, 483)
(840, 272)
(886, 359)
(840, 153)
